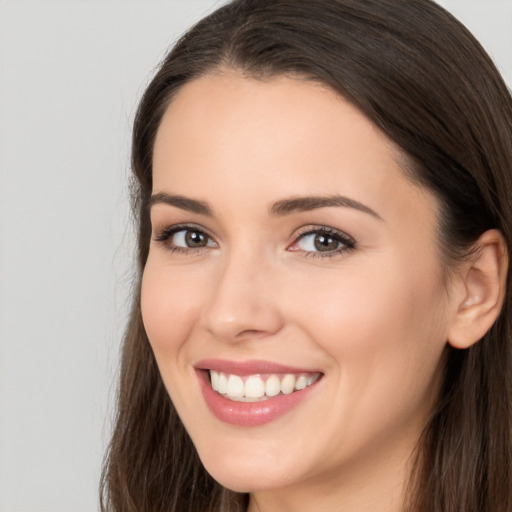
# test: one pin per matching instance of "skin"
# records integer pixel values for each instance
(374, 319)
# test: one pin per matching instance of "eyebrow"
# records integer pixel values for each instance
(278, 209)
(303, 204)
(185, 203)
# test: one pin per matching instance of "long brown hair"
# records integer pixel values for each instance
(421, 77)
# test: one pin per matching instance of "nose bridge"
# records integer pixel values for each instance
(243, 302)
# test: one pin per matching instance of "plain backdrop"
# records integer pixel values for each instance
(71, 73)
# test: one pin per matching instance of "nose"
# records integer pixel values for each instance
(244, 303)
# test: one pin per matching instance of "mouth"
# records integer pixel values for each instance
(253, 393)
(257, 387)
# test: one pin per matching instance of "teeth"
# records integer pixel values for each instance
(288, 384)
(214, 379)
(273, 386)
(223, 384)
(235, 387)
(255, 387)
(301, 383)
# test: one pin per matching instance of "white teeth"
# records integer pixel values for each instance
(301, 383)
(214, 377)
(255, 387)
(223, 384)
(273, 386)
(235, 388)
(288, 384)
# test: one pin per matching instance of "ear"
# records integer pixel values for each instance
(482, 288)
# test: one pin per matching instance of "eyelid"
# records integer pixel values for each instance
(163, 235)
(347, 241)
(174, 228)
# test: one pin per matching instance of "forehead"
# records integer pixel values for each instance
(262, 140)
(291, 108)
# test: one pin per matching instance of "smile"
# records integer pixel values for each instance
(253, 393)
(254, 388)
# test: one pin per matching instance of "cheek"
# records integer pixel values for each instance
(169, 305)
(384, 331)
(371, 306)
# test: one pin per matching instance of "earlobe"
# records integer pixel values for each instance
(483, 284)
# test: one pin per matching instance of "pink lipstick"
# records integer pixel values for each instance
(252, 393)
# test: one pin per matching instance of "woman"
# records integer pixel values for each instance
(321, 319)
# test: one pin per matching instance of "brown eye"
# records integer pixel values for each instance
(195, 239)
(319, 241)
(184, 238)
(324, 242)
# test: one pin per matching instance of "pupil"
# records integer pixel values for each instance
(325, 243)
(195, 239)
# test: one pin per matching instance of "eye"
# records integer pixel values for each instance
(185, 238)
(189, 238)
(322, 242)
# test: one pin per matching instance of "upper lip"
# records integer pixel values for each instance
(251, 367)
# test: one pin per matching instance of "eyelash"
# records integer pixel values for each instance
(167, 233)
(347, 242)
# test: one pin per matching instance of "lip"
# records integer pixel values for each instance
(250, 414)
(243, 368)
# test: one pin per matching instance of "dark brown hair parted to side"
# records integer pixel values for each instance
(421, 77)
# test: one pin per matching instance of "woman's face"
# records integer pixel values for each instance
(291, 258)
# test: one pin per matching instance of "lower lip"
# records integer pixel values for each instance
(250, 414)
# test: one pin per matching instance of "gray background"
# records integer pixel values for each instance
(70, 75)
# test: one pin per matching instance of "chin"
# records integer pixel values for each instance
(248, 470)
(246, 478)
